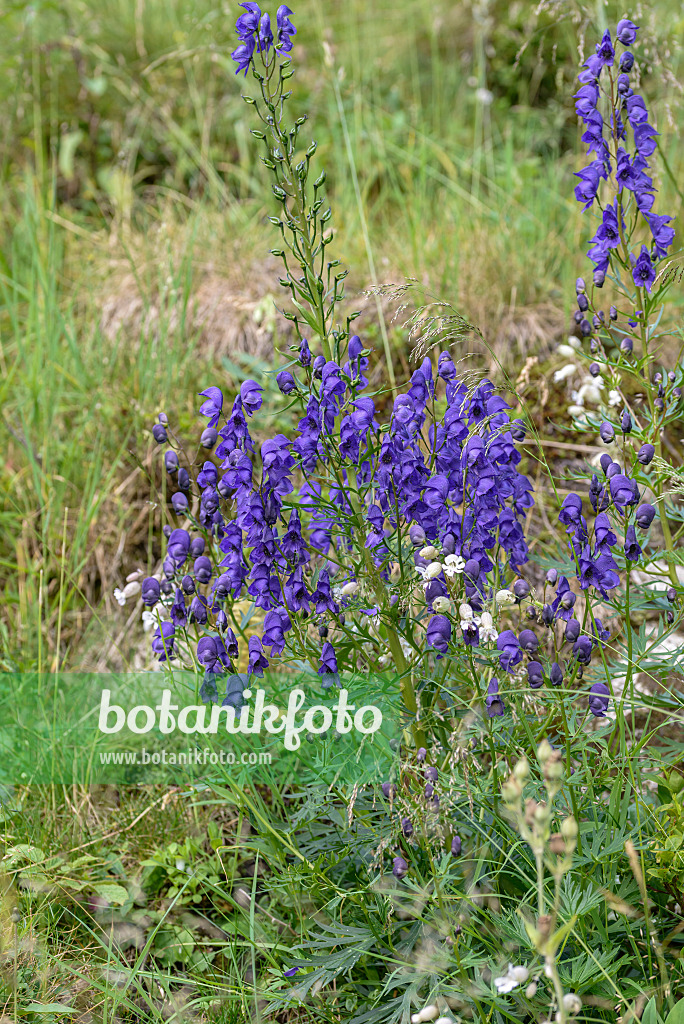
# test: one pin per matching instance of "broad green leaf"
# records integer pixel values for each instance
(111, 892)
(676, 1014)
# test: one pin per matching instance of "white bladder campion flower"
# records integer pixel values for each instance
(504, 597)
(564, 372)
(428, 1013)
(429, 572)
(487, 631)
(513, 977)
(430, 552)
(440, 604)
(130, 590)
(453, 565)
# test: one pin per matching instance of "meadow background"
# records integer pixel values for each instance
(135, 270)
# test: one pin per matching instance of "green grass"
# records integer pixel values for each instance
(126, 151)
(125, 154)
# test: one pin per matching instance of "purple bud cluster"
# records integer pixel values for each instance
(607, 138)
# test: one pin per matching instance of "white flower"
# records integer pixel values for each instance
(572, 1003)
(349, 588)
(406, 647)
(130, 590)
(564, 373)
(590, 392)
(429, 552)
(453, 564)
(484, 96)
(466, 613)
(504, 597)
(614, 398)
(426, 1014)
(565, 350)
(487, 631)
(513, 977)
(433, 570)
(440, 604)
(576, 411)
(575, 342)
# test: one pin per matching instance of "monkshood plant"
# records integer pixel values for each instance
(367, 540)
(391, 532)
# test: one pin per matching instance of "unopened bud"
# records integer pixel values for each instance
(522, 769)
(557, 844)
(544, 751)
(569, 828)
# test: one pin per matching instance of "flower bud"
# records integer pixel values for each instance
(179, 502)
(612, 313)
(599, 278)
(170, 461)
(607, 433)
(585, 328)
(430, 552)
(209, 437)
(595, 370)
(521, 771)
(544, 751)
(159, 433)
(417, 536)
(399, 867)
(626, 422)
(626, 346)
(552, 577)
(504, 597)
(286, 382)
(572, 1003)
(521, 590)
(557, 844)
(582, 302)
(455, 846)
(580, 285)
(569, 828)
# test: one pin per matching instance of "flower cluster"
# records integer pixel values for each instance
(317, 527)
(256, 35)
(607, 139)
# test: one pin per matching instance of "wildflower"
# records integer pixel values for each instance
(214, 404)
(170, 462)
(599, 697)
(626, 31)
(493, 702)
(535, 676)
(513, 977)
(528, 641)
(453, 565)
(285, 29)
(556, 674)
(399, 867)
(159, 433)
(286, 382)
(406, 827)
(151, 591)
(504, 597)
(643, 271)
(487, 631)
(645, 515)
(439, 633)
(510, 654)
(455, 846)
(645, 454)
(162, 643)
(291, 973)
(632, 548)
(250, 393)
